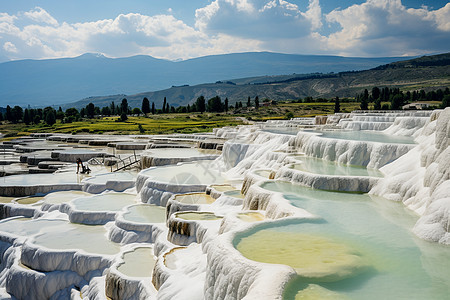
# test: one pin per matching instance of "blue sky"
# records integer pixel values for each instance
(181, 29)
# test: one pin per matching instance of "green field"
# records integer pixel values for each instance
(179, 123)
(159, 124)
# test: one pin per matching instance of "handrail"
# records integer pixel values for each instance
(127, 162)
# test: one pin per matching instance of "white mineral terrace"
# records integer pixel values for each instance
(347, 206)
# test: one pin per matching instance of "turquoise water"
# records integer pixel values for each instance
(402, 265)
(326, 167)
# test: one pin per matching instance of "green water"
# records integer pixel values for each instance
(401, 266)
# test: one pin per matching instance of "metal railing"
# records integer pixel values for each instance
(127, 162)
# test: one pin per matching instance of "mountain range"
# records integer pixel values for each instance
(428, 73)
(40, 83)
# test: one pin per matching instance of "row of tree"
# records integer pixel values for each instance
(49, 115)
(397, 98)
(32, 116)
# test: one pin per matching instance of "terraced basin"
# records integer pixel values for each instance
(325, 167)
(145, 213)
(138, 263)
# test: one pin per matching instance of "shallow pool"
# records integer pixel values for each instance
(138, 263)
(234, 194)
(222, 188)
(200, 172)
(281, 130)
(180, 152)
(63, 196)
(28, 227)
(69, 236)
(40, 179)
(29, 200)
(315, 257)
(326, 167)
(200, 216)
(400, 264)
(145, 213)
(104, 202)
(251, 217)
(369, 136)
(6, 199)
(113, 176)
(195, 198)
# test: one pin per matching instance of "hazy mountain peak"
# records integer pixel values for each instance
(91, 55)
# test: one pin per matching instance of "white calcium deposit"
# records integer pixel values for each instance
(256, 184)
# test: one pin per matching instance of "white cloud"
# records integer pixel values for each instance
(10, 47)
(40, 15)
(162, 36)
(387, 27)
(373, 28)
(258, 19)
(6, 18)
(314, 14)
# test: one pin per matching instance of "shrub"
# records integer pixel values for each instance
(141, 129)
(289, 115)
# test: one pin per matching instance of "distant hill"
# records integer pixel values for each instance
(46, 82)
(412, 74)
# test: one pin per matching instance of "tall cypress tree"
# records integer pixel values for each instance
(124, 106)
(26, 116)
(200, 104)
(164, 105)
(153, 108)
(8, 115)
(337, 105)
(112, 107)
(145, 105)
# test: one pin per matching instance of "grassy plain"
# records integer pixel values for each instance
(178, 123)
